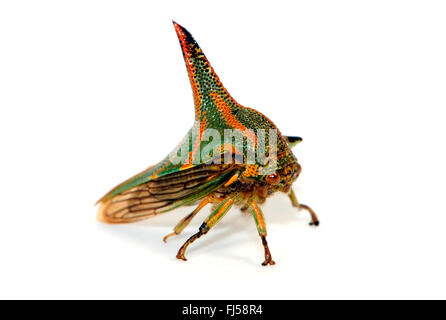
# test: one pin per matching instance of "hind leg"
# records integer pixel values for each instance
(295, 203)
(186, 220)
(207, 225)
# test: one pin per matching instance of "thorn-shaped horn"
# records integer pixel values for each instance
(204, 81)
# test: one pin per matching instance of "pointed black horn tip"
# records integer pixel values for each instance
(177, 24)
(187, 34)
(294, 139)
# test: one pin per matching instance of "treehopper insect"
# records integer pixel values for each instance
(233, 155)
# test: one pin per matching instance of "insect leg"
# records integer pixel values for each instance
(295, 202)
(186, 220)
(261, 228)
(207, 225)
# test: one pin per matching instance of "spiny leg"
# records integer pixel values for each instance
(295, 202)
(186, 220)
(207, 225)
(261, 228)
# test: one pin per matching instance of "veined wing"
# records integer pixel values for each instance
(164, 193)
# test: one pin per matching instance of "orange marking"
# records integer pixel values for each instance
(198, 139)
(258, 214)
(186, 166)
(190, 68)
(155, 174)
(225, 109)
(233, 179)
(251, 170)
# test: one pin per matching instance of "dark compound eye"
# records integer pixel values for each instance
(273, 178)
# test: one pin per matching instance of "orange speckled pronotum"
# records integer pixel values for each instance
(232, 155)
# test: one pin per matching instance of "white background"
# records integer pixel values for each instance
(92, 92)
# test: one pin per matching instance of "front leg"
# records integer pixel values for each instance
(314, 219)
(261, 228)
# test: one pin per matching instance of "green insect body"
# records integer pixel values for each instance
(252, 162)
